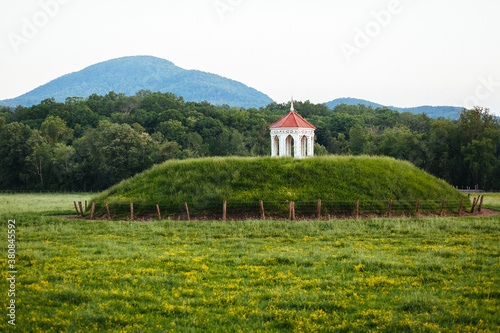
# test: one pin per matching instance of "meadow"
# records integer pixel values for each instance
(47, 203)
(374, 275)
(492, 201)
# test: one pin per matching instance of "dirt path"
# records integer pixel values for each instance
(488, 212)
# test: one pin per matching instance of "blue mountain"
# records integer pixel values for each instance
(130, 75)
(451, 112)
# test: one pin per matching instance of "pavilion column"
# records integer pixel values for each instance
(303, 145)
(274, 149)
(272, 145)
(297, 146)
(310, 143)
(282, 145)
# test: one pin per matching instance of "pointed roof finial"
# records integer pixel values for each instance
(291, 107)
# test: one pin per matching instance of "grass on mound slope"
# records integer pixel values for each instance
(337, 180)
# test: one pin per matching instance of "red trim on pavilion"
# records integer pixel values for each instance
(292, 119)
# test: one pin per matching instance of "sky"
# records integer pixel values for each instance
(402, 53)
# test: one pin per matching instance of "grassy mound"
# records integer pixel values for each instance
(337, 180)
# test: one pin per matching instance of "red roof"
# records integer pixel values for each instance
(292, 120)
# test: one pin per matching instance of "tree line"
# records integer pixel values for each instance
(93, 143)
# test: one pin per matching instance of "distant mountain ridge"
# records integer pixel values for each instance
(451, 112)
(129, 75)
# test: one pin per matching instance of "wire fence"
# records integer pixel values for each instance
(232, 209)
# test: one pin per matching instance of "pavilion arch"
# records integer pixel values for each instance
(276, 146)
(289, 145)
(303, 146)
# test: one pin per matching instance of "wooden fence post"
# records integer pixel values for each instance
(93, 211)
(389, 206)
(158, 211)
(441, 212)
(262, 213)
(357, 209)
(131, 211)
(473, 206)
(293, 210)
(81, 209)
(460, 208)
(418, 208)
(319, 209)
(289, 210)
(481, 204)
(76, 208)
(187, 211)
(107, 211)
(224, 210)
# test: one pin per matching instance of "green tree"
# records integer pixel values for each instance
(237, 144)
(14, 149)
(163, 151)
(479, 155)
(476, 143)
(62, 162)
(172, 130)
(357, 140)
(319, 150)
(110, 153)
(55, 130)
(39, 159)
(339, 145)
(341, 123)
(195, 146)
(222, 145)
(260, 139)
(401, 143)
(147, 119)
(477, 124)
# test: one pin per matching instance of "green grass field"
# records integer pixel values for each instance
(492, 201)
(41, 203)
(377, 275)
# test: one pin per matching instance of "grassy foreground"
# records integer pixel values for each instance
(385, 275)
(337, 180)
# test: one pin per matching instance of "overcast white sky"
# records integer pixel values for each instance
(401, 53)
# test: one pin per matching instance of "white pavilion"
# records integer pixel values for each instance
(292, 131)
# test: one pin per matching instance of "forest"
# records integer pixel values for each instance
(93, 143)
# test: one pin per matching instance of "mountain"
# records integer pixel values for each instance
(451, 112)
(130, 75)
